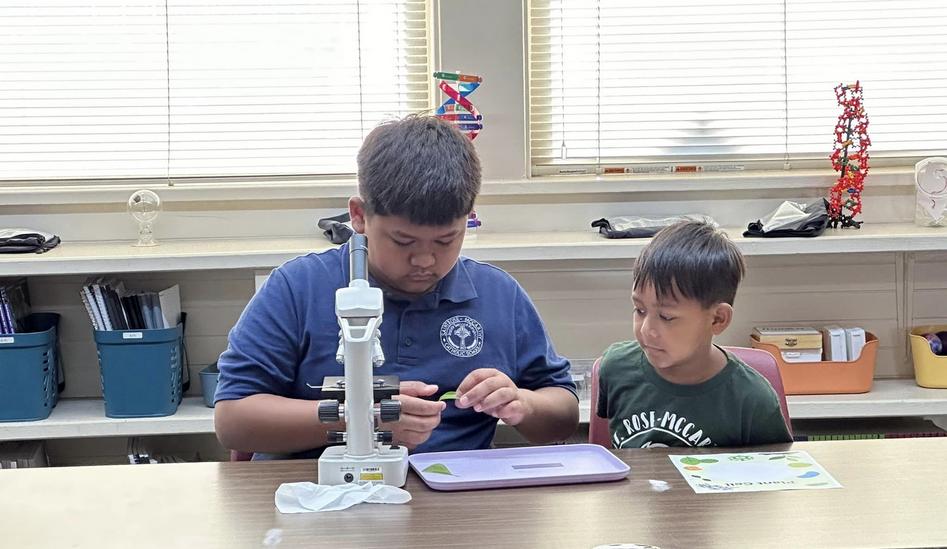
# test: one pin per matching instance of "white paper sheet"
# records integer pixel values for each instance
(753, 472)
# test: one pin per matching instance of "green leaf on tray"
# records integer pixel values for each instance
(438, 468)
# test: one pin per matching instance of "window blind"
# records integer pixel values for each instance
(729, 84)
(188, 88)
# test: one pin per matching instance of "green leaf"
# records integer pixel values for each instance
(449, 395)
(690, 461)
(438, 468)
(711, 460)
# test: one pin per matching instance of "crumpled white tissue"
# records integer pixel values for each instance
(307, 497)
(659, 485)
(786, 214)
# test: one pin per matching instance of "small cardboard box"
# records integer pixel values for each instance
(790, 338)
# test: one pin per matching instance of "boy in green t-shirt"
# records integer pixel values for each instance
(673, 386)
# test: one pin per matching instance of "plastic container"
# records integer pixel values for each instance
(930, 370)
(525, 466)
(141, 371)
(209, 376)
(29, 370)
(473, 223)
(826, 377)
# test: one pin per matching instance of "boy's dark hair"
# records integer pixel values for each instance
(693, 260)
(421, 168)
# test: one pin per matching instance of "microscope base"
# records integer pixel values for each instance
(385, 466)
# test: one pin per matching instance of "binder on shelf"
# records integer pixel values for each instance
(99, 302)
(14, 305)
(170, 305)
(111, 306)
(5, 326)
(92, 312)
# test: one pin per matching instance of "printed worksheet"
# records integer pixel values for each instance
(753, 472)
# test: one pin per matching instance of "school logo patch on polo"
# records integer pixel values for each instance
(462, 336)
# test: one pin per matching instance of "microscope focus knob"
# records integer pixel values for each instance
(335, 437)
(384, 437)
(329, 411)
(389, 410)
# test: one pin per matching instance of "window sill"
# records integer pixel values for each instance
(539, 188)
(266, 253)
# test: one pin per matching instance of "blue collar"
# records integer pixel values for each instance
(456, 286)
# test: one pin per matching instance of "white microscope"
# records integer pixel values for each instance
(368, 455)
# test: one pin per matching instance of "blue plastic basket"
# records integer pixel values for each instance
(141, 371)
(209, 377)
(29, 370)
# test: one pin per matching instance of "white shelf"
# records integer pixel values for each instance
(78, 418)
(85, 417)
(888, 398)
(180, 255)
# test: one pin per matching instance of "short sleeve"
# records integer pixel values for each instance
(263, 347)
(538, 364)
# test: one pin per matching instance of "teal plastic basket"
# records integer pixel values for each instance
(209, 377)
(141, 371)
(29, 370)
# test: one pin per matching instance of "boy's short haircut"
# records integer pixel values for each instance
(420, 168)
(693, 260)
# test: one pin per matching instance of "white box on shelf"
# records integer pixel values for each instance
(23, 454)
(854, 342)
(833, 344)
(802, 355)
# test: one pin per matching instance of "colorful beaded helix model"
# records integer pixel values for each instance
(462, 113)
(849, 158)
(457, 108)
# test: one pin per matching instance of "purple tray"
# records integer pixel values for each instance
(527, 466)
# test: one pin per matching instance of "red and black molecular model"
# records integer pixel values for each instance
(849, 158)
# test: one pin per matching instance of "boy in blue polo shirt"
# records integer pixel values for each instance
(450, 323)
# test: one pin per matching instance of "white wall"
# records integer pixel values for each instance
(585, 306)
(486, 37)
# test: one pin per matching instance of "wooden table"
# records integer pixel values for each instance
(895, 494)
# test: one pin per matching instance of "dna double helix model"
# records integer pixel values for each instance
(849, 157)
(457, 108)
